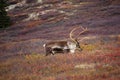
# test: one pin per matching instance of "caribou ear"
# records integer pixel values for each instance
(69, 42)
(44, 45)
(71, 45)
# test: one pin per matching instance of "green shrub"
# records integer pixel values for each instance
(4, 18)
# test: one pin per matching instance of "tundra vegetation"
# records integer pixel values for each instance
(36, 22)
(96, 61)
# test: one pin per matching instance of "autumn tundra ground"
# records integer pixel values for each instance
(35, 22)
(97, 61)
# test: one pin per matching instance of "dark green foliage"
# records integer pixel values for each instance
(4, 19)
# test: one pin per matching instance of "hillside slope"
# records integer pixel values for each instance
(35, 22)
(38, 21)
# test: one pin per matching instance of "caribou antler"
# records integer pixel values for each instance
(71, 33)
(84, 30)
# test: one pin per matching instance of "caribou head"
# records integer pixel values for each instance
(64, 46)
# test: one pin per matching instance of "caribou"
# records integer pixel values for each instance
(64, 46)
